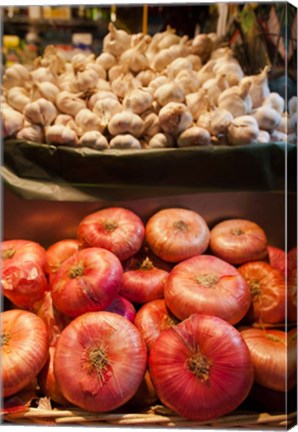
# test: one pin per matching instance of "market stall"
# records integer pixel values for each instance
(165, 159)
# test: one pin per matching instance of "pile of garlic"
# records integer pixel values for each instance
(144, 92)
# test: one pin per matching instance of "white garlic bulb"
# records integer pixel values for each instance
(220, 120)
(116, 41)
(41, 112)
(145, 77)
(61, 135)
(158, 82)
(198, 103)
(268, 118)
(169, 92)
(236, 99)
(178, 65)
(126, 141)
(43, 74)
(87, 120)
(152, 126)
(69, 103)
(161, 140)
(259, 88)
(16, 75)
(277, 136)
(174, 118)
(11, 121)
(202, 46)
(46, 90)
(100, 95)
(18, 98)
(106, 60)
(243, 130)
(195, 60)
(194, 136)
(138, 100)
(34, 133)
(135, 57)
(126, 122)
(95, 140)
(106, 108)
(188, 80)
(263, 137)
(275, 101)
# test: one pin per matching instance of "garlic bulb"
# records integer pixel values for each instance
(168, 38)
(195, 61)
(158, 82)
(116, 41)
(204, 120)
(95, 140)
(202, 46)
(188, 80)
(197, 103)
(169, 92)
(11, 121)
(268, 118)
(46, 90)
(161, 60)
(86, 120)
(263, 137)
(41, 112)
(207, 71)
(161, 140)
(16, 75)
(284, 125)
(85, 80)
(126, 122)
(100, 95)
(135, 57)
(236, 99)
(151, 122)
(34, 133)
(118, 71)
(259, 88)
(80, 61)
(69, 103)
(292, 105)
(220, 120)
(214, 87)
(174, 118)
(125, 141)
(106, 108)
(275, 101)
(194, 136)
(138, 100)
(243, 130)
(61, 135)
(63, 119)
(145, 77)
(18, 98)
(106, 60)
(231, 68)
(277, 136)
(178, 65)
(102, 85)
(43, 74)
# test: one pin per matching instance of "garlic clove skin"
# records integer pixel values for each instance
(125, 141)
(194, 136)
(188, 80)
(87, 120)
(152, 126)
(204, 121)
(158, 82)
(46, 90)
(106, 60)
(100, 71)
(195, 61)
(263, 137)
(34, 133)
(161, 140)
(102, 85)
(236, 100)
(275, 101)
(11, 122)
(170, 92)
(197, 103)
(178, 65)
(41, 112)
(18, 98)
(268, 118)
(69, 103)
(63, 119)
(135, 58)
(95, 140)
(259, 89)
(145, 77)
(174, 118)
(85, 80)
(243, 130)
(126, 122)
(43, 74)
(220, 120)
(61, 135)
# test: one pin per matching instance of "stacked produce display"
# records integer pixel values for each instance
(145, 92)
(135, 313)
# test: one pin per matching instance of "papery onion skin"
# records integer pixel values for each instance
(107, 356)
(274, 361)
(175, 234)
(19, 251)
(144, 284)
(24, 284)
(277, 258)
(238, 241)
(24, 349)
(201, 368)
(152, 319)
(87, 281)
(123, 307)
(47, 380)
(58, 252)
(267, 287)
(116, 229)
(206, 284)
